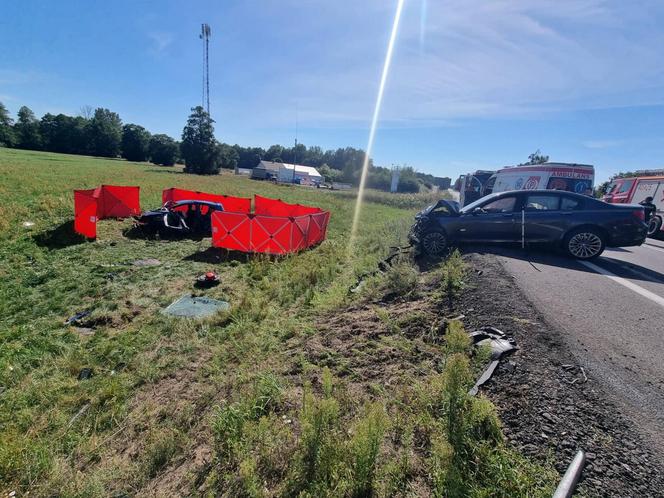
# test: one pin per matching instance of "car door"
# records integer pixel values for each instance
(493, 221)
(542, 217)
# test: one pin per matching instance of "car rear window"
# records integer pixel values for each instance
(542, 203)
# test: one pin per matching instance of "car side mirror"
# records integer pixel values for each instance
(478, 210)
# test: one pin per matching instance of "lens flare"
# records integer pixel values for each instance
(423, 24)
(374, 121)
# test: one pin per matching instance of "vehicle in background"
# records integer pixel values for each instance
(635, 190)
(578, 178)
(471, 185)
(181, 218)
(580, 225)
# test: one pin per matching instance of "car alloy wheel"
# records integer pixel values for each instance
(654, 226)
(434, 243)
(585, 245)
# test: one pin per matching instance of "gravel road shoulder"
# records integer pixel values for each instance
(550, 405)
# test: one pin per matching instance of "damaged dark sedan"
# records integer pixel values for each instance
(579, 225)
(179, 219)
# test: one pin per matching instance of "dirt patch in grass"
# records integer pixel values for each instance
(377, 344)
(547, 407)
(165, 435)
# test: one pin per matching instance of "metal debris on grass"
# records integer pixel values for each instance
(568, 483)
(500, 345)
(77, 317)
(383, 266)
(195, 307)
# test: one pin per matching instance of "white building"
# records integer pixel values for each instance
(287, 173)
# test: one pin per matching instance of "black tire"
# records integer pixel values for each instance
(434, 242)
(654, 226)
(584, 243)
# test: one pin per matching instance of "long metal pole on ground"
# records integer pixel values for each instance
(567, 484)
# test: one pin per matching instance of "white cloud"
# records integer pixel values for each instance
(160, 41)
(480, 58)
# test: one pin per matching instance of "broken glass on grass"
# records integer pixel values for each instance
(189, 306)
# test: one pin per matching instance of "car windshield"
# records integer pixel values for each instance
(478, 202)
(626, 185)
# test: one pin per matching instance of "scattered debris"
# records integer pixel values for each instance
(500, 345)
(77, 317)
(208, 279)
(85, 373)
(147, 262)
(84, 331)
(383, 266)
(571, 477)
(119, 368)
(28, 224)
(195, 307)
(84, 409)
(585, 377)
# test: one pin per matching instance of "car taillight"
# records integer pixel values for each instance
(639, 214)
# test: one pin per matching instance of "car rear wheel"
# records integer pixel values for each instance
(654, 226)
(434, 242)
(584, 243)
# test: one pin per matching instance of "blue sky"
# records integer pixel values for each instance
(473, 84)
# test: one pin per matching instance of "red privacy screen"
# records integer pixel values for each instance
(230, 203)
(276, 227)
(106, 201)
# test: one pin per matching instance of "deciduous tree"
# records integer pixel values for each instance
(135, 142)
(200, 150)
(105, 133)
(6, 131)
(163, 150)
(26, 130)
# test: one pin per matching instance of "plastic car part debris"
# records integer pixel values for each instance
(195, 307)
(208, 279)
(567, 484)
(74, 319)
(500, 345)
(85, 373)
(147, 262)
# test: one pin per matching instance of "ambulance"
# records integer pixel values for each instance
(578, 178)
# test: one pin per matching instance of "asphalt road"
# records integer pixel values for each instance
(611, 314)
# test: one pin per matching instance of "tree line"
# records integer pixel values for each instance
(102, 133)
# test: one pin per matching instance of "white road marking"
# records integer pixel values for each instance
(624, 282)
(653, 247)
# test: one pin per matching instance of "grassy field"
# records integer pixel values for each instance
(300, 389)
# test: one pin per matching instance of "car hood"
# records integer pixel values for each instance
(453, 206)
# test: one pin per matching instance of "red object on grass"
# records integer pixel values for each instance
(275, 227)
(106, 201)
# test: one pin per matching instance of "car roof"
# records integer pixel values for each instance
(197, 201)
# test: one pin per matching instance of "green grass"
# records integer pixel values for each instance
(238, 387)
